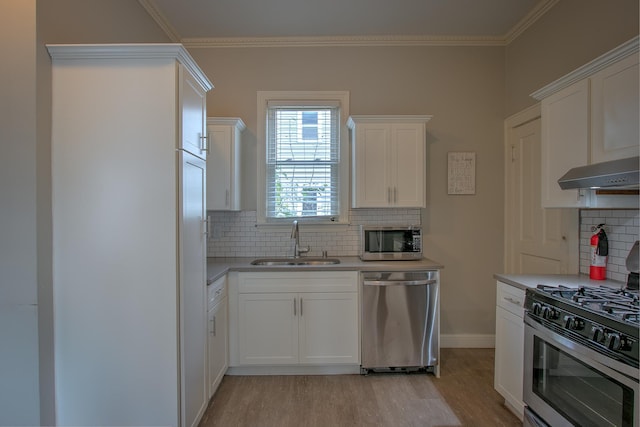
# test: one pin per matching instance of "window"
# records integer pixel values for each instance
(302, 162)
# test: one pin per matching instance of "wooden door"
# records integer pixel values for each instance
(538, 240)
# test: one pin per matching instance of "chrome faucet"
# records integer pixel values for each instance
(295, 235)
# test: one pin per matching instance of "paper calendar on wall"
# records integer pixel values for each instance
(461, 173)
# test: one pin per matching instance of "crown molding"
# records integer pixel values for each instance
(152, 9)
(140, 51)
(341, 41)
(530, 18)
(346, 41)
(627, 48)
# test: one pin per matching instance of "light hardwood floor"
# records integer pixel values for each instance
(462, 396)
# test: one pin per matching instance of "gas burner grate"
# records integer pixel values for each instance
(618, 303)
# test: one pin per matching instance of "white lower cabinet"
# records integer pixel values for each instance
(510, 346)
(328, 328)
(218, 359)
(267, 329)
(295, 318)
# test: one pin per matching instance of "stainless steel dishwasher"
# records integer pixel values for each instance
(400, 321)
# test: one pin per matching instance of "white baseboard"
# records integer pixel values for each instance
(294, 370)
(467, 341)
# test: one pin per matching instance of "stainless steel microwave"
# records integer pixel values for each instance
(390, 243)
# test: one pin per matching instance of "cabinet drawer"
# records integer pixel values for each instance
(216, 291)
(510, 298)
(298, 281)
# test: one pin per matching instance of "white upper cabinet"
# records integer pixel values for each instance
(223, 163)
(388, 161)
(192, 108)
(565, 133)
(589, 116)
(614, 114)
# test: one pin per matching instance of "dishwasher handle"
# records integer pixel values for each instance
(400, 282)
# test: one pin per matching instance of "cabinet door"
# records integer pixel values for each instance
(329, 328)
(193, 295)
(615, 111)
(219, 170)
(372, 173)
(509, 358)
(565, 143)
(268, 329)
(193, 114)
(218, 359)
(408, 165)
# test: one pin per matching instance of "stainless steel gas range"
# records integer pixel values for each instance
(581, 356)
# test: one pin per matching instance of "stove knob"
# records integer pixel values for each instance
(536, 307)
(596, 333)
(549, 313)
(572, 322)
(613, 341)
(569, 322)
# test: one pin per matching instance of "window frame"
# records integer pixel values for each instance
(319, 98)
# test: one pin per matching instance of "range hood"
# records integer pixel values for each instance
(623, 173)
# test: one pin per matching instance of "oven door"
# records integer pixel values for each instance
(568, 384)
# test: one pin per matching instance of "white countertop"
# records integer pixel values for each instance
(525, 281)
(217, 267)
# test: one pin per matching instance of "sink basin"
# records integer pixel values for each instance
(295, 261)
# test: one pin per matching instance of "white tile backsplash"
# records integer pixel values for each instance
(623, 229)
(234, 234)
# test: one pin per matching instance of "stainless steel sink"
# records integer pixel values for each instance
(295, 261)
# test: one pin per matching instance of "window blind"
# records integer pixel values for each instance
(303, 159)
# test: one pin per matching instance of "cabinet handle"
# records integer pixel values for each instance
(294, 307)
(214, 326)
(205, 226)
(388, 194)
(395, 195)
(301, 306)
(513, 301)
(204, 147)
(226, 198)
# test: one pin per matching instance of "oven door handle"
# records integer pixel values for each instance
(400, 282)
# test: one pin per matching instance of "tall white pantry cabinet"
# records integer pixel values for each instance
(129, 250)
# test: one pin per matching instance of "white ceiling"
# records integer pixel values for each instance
(463, 20)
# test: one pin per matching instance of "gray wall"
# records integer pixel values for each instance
(19, 274)
(571, 34)
(462, 87)
(469, 91)
(26, 311)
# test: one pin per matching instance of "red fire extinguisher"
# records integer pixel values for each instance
(599, 252)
